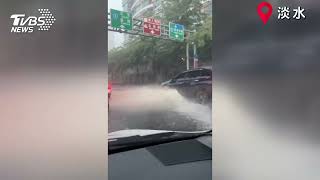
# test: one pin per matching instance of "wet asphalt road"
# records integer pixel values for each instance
(157, 108)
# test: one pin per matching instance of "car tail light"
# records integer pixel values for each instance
(109, 87)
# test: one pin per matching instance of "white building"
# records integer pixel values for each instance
(111, 42)
(138, 8)
(207, 7)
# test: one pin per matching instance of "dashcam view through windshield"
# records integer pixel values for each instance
(159, 66)
(159, 89)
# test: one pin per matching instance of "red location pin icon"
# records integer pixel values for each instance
(264, 15)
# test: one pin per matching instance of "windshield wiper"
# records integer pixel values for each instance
(136, 142)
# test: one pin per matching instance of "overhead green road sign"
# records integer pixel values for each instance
(176, 31)
(121, 19)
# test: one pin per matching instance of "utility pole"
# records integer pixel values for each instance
(187, 54)
(195, 56)
(187, 50)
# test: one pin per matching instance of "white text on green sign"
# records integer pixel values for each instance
(176, 31)
(121, 19)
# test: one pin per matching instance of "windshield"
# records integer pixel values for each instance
(141, 62)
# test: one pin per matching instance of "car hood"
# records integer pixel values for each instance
(142, 132)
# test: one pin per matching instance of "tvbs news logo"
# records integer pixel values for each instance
(28, 24)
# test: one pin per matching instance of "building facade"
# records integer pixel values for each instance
(111, 42)
(207, 7)
(139, 8)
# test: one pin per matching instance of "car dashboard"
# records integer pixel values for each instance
(185, 160)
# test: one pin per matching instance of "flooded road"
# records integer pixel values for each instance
(157, 108)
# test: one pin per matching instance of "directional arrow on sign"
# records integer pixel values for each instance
(176, 31)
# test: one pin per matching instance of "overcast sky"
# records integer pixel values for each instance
(118, 38)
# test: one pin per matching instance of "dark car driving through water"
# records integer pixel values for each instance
(194, 84)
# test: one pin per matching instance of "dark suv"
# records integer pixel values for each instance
(194, 84)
